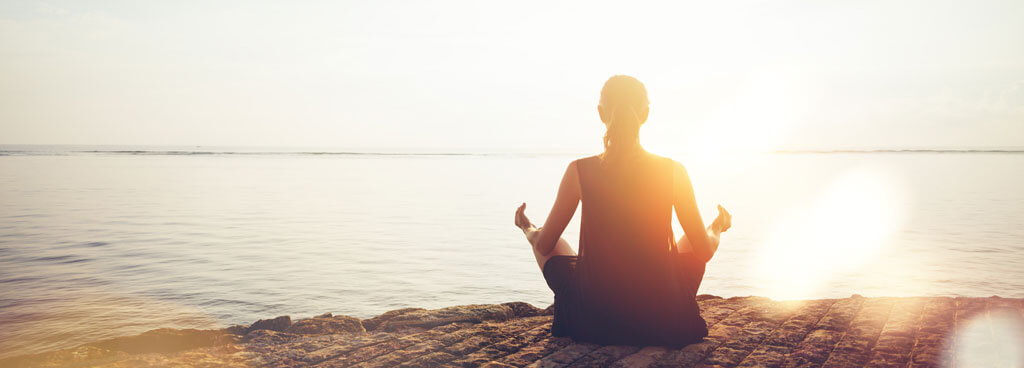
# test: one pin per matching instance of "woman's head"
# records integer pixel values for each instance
(623, 108)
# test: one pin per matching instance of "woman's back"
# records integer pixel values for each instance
(631, 281)
(627, 209)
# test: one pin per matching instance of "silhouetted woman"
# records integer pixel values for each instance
(632, 282)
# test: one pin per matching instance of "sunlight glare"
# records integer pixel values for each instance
(758, 119)
(844, 228)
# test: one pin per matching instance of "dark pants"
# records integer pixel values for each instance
(559, 272)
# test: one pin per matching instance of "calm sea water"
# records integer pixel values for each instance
(102, 244)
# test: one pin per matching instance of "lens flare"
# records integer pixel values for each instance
(993, 340)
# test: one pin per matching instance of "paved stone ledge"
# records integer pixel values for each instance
(744, 332)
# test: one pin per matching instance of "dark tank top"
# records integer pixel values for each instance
(632, 285)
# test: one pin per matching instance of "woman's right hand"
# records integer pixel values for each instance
(724, 220)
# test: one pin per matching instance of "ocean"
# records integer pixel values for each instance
(97, 242)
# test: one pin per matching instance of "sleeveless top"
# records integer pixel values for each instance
(632, 285)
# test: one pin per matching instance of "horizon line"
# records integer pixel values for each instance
(71, 149)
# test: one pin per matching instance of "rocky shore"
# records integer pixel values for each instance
(744, 332)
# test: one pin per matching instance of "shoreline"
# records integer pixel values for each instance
(744, 331)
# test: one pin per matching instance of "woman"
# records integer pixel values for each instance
(632, 283)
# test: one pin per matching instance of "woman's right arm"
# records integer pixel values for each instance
(703, 241)
(546, 238)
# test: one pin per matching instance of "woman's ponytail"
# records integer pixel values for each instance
(625, 97)
(623, 131)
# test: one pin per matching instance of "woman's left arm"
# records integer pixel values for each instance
(545, 238)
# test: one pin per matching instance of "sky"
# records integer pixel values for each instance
(523, 75)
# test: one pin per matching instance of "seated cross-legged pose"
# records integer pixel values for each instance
(632, 282)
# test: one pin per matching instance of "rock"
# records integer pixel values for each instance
(166, 340)
(321, 325)
(235, 330)
(550, 310)
(372, 323)
(703, 297)
(520, 309)
(473, 313)
(747, 299)
(277, 324)
(269, 337)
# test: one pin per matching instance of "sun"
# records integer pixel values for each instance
(758, 118)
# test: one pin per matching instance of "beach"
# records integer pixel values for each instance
(743, 332)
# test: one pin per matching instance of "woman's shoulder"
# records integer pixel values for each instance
(666, 160)
(679, 173)
(658, 158)
(583, 160)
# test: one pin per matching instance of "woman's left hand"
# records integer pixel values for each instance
(522, 222)
(724, 220)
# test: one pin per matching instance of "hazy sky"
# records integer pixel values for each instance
(510, 75)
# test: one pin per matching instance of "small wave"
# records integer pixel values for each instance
(53, 258)
(67, 259)
(20, 279)
(75, 260)
(32, 153)
(158, 153)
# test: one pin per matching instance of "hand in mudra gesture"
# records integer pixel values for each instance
(522, 222)
(724, 220)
